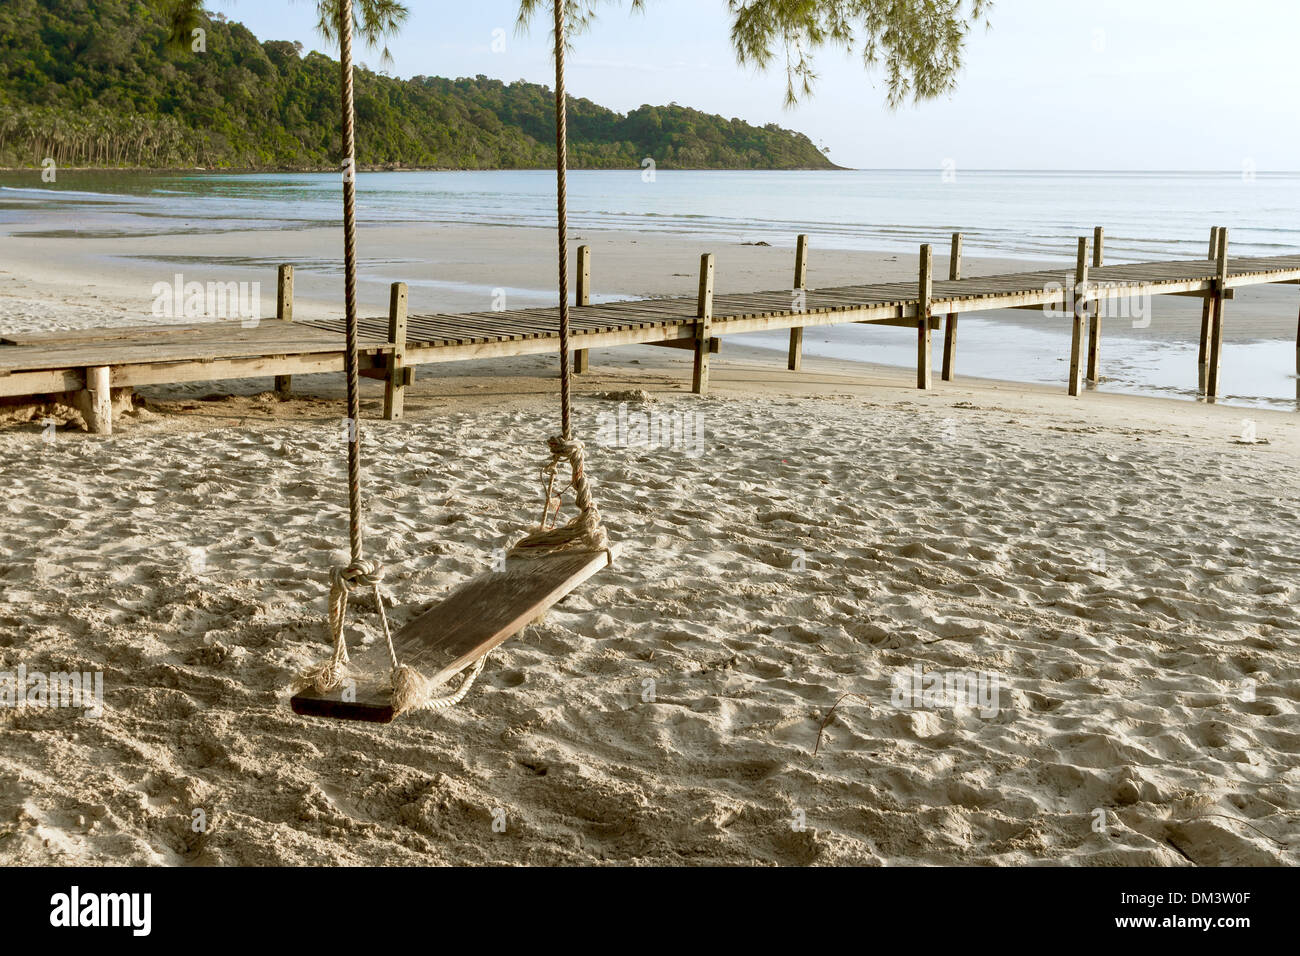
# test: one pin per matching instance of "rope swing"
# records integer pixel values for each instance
(410, 689)
(585, 529)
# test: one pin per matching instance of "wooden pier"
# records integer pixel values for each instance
(86, 368)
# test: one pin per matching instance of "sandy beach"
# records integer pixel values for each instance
(1114, 579)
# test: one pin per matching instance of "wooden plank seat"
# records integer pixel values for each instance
(470, 621)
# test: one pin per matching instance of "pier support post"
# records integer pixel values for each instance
(1094, 314)
(795, 362)
(800, 286)
(95, 401)
(1207, 313)
(581, 360)
(925, 292)
(950, 322)
(1216, 320)
(1080, 308)
(284, 312)
(704, 317)
(399, 373)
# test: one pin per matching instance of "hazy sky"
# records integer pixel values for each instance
(1054, 84)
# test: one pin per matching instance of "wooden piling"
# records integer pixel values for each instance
(950, 323)
(284, 294)
(284, 312)
(925, 292)
(399, 373)
(95, 402)
(800, 284)
(1094, 312)
(1094, 342)
(704, 318)
(1080, 307)
(1207, 312)
(581, 359)
(1215, 359)
(795, 360)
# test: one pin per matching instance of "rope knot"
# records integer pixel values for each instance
(343, 581)
(358, 574)
(564, 448)
(585, 528)
(411, 690)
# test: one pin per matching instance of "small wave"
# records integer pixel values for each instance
(47, 191)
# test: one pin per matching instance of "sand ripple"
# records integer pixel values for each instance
(1136, 600)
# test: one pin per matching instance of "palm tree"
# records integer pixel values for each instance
(375, 21)
(180, 17)
(919, 42)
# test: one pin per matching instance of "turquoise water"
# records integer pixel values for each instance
(1018, 214)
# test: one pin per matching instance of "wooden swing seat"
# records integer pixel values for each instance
(474, 618)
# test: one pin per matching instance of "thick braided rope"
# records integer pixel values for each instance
(410, 690)
(413, 691)
(350, 282)
(585, 529)
(562, 218)
(343, 581)
(359, 572)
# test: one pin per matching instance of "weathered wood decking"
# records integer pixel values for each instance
(83, 367)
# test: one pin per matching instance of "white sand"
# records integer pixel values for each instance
(1124, 569)
(1120, 565)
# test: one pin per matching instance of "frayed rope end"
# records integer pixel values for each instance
(322, 678)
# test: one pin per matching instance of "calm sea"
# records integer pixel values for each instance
(1017, 214)
(1020, 214)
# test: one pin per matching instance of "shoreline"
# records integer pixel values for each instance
(392, 168)
(64, 282)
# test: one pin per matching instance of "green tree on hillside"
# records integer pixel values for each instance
(102, 85)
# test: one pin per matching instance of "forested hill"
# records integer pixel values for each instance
(93, 82)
